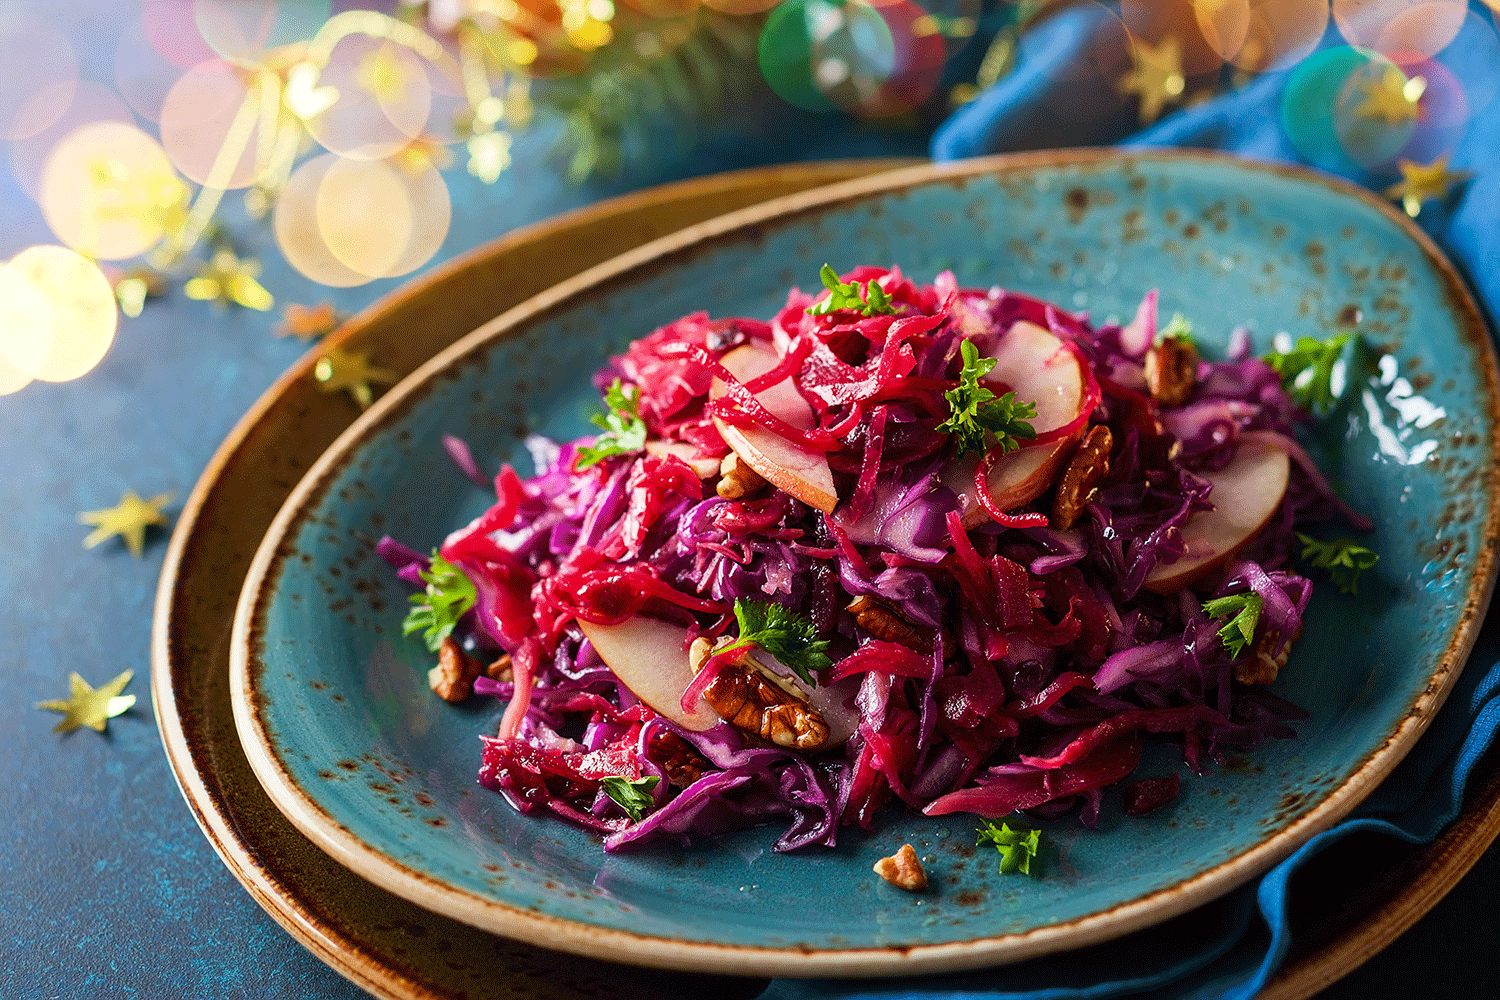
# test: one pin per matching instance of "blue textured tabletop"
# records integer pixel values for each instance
(107, 886)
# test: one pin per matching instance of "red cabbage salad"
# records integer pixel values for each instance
(908, 545)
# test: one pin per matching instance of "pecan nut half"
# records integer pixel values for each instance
(885, 623)
(1080, 481)
(754, 700)
(453, 678)
(903, 870)
(1172, 371)
(1262, 666)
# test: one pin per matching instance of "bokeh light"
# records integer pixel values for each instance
(875, 59)
(1262, 35)
(92, 103)
(365, 215)
(142, 74)
(212, 127)
(1415, 28)
(384, 98)
(172, 29)
(1376, 111)
(1307, 102)
(108, 191)
(295, 223)
(38, 77)
(432, 213)
(739, 7)
(785, 52)
(57, 313)
(12, 379)
(1087, 88)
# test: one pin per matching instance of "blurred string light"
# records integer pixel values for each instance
(337, 123)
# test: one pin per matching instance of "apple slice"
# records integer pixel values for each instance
(1034, 363)
(792, 469)
(650, 657)
(706, 468)
(1246, 494)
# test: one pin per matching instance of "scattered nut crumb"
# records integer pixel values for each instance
(453, 678)
(501, 670)
(736, 479)
(903, 870)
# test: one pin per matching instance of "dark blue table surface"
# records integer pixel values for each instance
(107, 886)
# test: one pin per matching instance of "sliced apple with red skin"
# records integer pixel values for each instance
(650, 657)
(790, 468)
(705, 468)
(1245, 496)
(1039, 369)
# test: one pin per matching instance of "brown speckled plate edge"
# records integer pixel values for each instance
(175, 658)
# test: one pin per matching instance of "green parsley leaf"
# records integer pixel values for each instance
(976, 410)
(1307, 370)
(449, 594)
(784, 634)
(874, 301)
(1343, 560)
(1239, 631)
(1016, 847)
(624, 431)
(1179, 327)
(632, 796)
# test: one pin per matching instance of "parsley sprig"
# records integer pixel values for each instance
(869, 299)
(975, 409)
(1179, 327)
(1307, 370)
(624, 431)
(1243, 612)
(783, 633)
(448, 596)
(1016, 847)
(1343, 559)
(632, 795)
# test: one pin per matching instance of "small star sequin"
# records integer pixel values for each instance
(308, 322)
(1422, 183)
(226, 278)
(1157, 76)
(128, 519)
(351, 372)
(1389, 97)
(133, 289)
(489, 155)
(90, 706)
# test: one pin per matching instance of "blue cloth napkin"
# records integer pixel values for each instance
(1231, 948)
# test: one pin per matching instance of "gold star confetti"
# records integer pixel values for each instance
(382, 74)
(227, 278)
(308, 322)
(1390, 97)
(1424, 182)
(489, 155)
(351, 371)
(133, 288)
(1156, 77)
(90, 706)
(128, 519)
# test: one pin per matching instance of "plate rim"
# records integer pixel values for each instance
(701, 956)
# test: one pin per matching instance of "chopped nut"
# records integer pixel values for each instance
(453, 677)
(1079, 483)
(736, 479)
(501, 670)
(1261, 667)
(885, 623)
(754, 700)
(903, 870)
(1172, 371)
(676, 756)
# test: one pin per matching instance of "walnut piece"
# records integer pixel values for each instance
(501, 670)
(1172, 371)
(1261, 667)
(736, 479)
(756, 701)
(885, 623)
(903, 870)
(453, 677)
(1080, 481)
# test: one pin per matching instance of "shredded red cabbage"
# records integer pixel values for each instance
(999, 661)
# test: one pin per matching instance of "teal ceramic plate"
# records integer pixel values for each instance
(331, 701)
